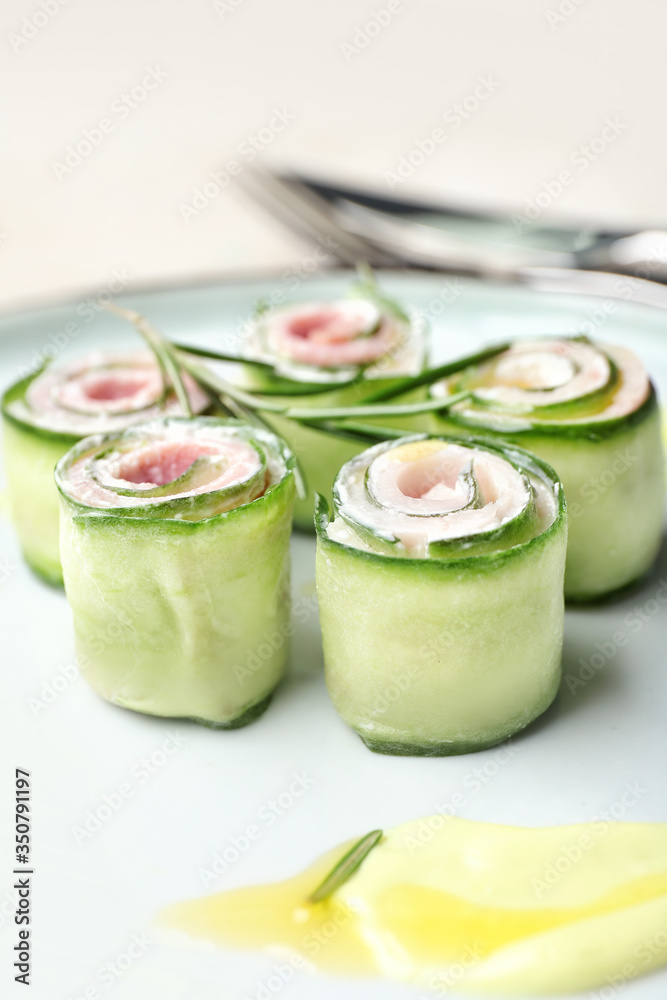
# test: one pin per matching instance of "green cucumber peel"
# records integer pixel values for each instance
(225, 391)
(369, 433)
(563, 418)
(591, 430)
(345, 867)
(567, 409)
(276, 384)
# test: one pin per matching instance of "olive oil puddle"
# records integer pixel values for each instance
(405, 929)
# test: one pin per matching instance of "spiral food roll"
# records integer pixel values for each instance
(45, 414)
(440, 583)
(175, 553)
(590, 411)
(333, 354)
(330, 341)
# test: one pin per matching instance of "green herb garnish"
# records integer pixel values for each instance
(346, 867)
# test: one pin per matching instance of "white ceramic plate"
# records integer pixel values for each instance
(91, 897)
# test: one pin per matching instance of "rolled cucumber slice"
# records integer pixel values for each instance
(438, 641)
(48, 411)
(30, 456)
(350, 348)
(179, 610)
(598, 425)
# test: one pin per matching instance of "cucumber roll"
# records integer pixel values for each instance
(590, 411)
(175, 552)
(47, 412)
(330, 354)
(327, 343)
(440, 583)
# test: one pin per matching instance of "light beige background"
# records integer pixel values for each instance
(561, 67)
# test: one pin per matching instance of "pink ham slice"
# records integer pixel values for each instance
(114, 390)
(543, 373)
(161, 456)
(104, 391)
(428, 490)
(331, 334)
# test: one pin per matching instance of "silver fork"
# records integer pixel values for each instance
(309, 215)
(352, 232)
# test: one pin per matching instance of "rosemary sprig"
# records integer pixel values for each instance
(162, 349)
(346, 867)
(367, 287)
(277, 383)
(221, 387)
(177, 359)
(207, 352)
(430, 375)
(398, 410)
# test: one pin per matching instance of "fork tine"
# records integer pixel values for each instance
(310, 215)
